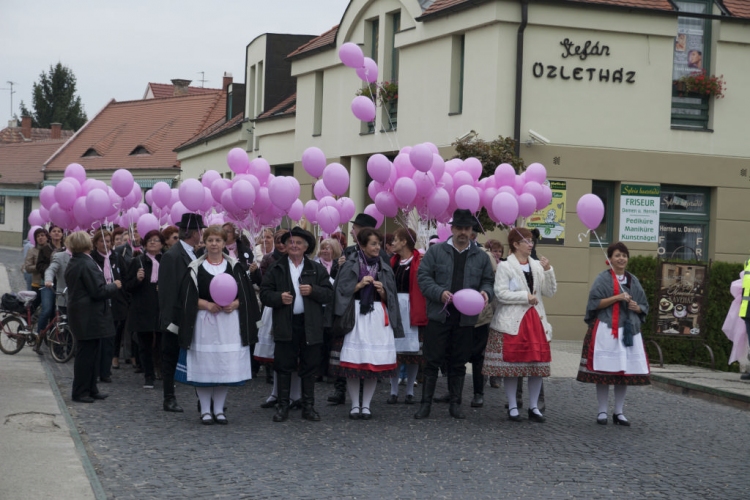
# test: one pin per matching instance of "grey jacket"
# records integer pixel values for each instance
(56, 270)
(436, 273)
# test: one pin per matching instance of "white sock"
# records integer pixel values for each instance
(394, 386)
(204, 396)
(620, 391)
(368, 390)
(535, 387)
(352, 387)
(411, 377)
(219, 397)
(296, 390)
(511, 384)
(602, 395)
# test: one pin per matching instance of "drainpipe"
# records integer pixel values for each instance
(519, 74)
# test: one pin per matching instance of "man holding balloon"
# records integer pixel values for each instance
(457, 281)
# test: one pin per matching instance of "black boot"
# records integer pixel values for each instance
(428, 390)
(339, 395)
(308, 399)
(284, 381)
(445, 398)
(456, 388)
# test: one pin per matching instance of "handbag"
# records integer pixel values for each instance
(345, 323)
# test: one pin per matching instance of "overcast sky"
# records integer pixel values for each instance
(116, 48)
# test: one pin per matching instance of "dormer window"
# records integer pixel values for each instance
(140, 150)
(90, 152)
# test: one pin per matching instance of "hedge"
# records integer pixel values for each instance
(686, 351)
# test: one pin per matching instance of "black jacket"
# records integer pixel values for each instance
(144, 296)
(172, 269)
(119, 270)
(186, 305)
(89, 310)
(278, 280)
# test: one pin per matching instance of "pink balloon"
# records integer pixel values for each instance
(519, 183)
(314, 161)
(320, 190)
(526, 204)
(328, 201)
(536, 173)
(363, 108)
(238, 161)
(208, 200)
(462, 178)
(373, 212)
(35, 219)
(260, 168)
(534, 189)
(379, 167)
(122, 182)
(438, 166)
(505, 175)
(467, 198)
(369, 71)
(249, 178)
(351, 55)
(262, 200)
(487, 196)
(329, 219)
(223, 289)
(243, 194)
(44, 213)
(146, 223)
(283, 192)
(473, 167)
(218, 187)
(438, 202)
(443, 231)
(98, 204)
(59, 216)
(227, 202)
(177, 211)
(446, 182)
(509, 190)
(30, 234)
(295, 211)
(191, 194)
(73, 182)
(405, 150)
(208, 177)
(424, 182)
(76, 171)
(311, 211)
(505, 208)
(433, 149)
(161, 194)
(65, 195)
(374, 188)
(347, 209)
(453, 166)
(386, 204)
(590, 210)
(545, 199)
(468, 302)
(405, 190)
(149, 197)
(420, 157)
(336, 178)
(403, 166)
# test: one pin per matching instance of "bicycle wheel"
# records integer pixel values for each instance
(61, 344)
(12, 338)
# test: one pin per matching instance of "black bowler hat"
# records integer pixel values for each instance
(298, 231)
(463, 218)
(191, 221)
(364, 220)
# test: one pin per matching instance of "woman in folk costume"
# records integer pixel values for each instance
(368, 352)
(214, 340)
(613, 350)
(518, 345)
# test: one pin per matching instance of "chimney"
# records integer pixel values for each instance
(12, 123)
(226, 81)
(180, 87)
(26, 127)
(56, 131)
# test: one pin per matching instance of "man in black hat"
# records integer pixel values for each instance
(446, 268)
(297, 288)
(172, 269)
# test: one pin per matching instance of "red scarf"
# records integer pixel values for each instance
(615, 307)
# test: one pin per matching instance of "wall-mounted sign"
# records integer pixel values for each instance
(551, 219)
(587, 49)
(681, 299)
(639, 213)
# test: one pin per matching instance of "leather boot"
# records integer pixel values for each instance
(428, 390)
(445, 398)
(456, 388)
(284, 386)
(339, 395)
(308, 399)
(477, 379)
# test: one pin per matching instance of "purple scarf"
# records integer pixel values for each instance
(154, 268)
(367, 294)
(107, 269)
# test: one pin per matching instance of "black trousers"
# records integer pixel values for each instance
(106, 353)
(119, 330)
(147, 344)
(86, 368)
(479, 344)
(447, 342)
(170, 353)
(296, 354)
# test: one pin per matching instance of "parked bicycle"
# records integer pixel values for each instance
(17, 330)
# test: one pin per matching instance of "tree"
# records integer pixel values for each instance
(54, 100)
(491, 154)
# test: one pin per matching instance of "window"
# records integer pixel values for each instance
(251, 94)
(90, 152)
(390, 108)
(692, 53)
(283, 171)
(683, 223)
(606, 191)
(457, 75)
(140, 150)
(2, 209)
(374, 26)
(259, 87)
(318, 111)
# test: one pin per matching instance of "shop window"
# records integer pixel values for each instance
(457, 75)
(683, 223)
(606, 191)
(692, 53)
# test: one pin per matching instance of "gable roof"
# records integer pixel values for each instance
(11, 135)
(21, 163)
(161, 90)
(286, 107)
(738, 8)
(159, 125)
(217, 129)
(318, 44)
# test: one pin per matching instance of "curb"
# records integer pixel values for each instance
(96, 485)
(702, 392)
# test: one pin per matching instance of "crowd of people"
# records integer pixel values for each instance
(205, 307)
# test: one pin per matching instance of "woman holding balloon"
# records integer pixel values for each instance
(519, 333)
(218, 310)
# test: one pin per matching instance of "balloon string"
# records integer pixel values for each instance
(480, 224)
(581, 236)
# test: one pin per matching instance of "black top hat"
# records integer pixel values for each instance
(364, 220)
(191, 221)
(307, 235)
(463, 218)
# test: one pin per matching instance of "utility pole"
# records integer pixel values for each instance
(203, 78)
(11, 95)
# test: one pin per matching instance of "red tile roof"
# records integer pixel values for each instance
(167, 90)
(159, 125)
(286, 107)
(11, 135)
(21, 163)
(215, 130)
(640, 4)
(325, 41)
(739, 8)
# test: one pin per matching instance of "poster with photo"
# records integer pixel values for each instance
(688, 44)
(551, 219)
(681, 299)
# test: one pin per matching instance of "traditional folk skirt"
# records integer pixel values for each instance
(524, 355)
(409, 348)
(368, 351)
(605, 360)
(265, 346)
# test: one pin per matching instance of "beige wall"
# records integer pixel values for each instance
(211, 155)
(11, 231)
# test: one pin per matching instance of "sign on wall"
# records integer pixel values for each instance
(639, 213)
(681, 299)
(551, 220)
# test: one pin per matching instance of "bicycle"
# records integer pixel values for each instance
(17, 331)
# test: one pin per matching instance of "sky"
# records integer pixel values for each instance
(116, 48)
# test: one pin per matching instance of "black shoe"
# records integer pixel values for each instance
(428, 391)
(535, 417)
(282, 412)
(138, 369)
(744, 376)
(619, 419)
(271, 403)
(365, 416)
(478, 401)
(170, 404)
(84, 399)
(310, 414)
(106, 380)
(455, 411)
(443, 399)
(602, 420)
(296, 405)
(392, 400)
(221, 419)
(100, 396)
(207, 421)
(514, 418)
(337, 398)
(149, 384)
(495, 382)
(355, 414)
(409, 399)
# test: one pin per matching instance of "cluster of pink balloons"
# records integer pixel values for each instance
(332, 180)
(367, 70)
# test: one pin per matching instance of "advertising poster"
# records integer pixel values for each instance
(551, 220)
(688, 44)
(639, 213)
(681, 295)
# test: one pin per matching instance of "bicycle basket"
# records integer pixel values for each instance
(11, 303)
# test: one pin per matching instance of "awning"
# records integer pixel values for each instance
(144, 183)
(19, 192)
